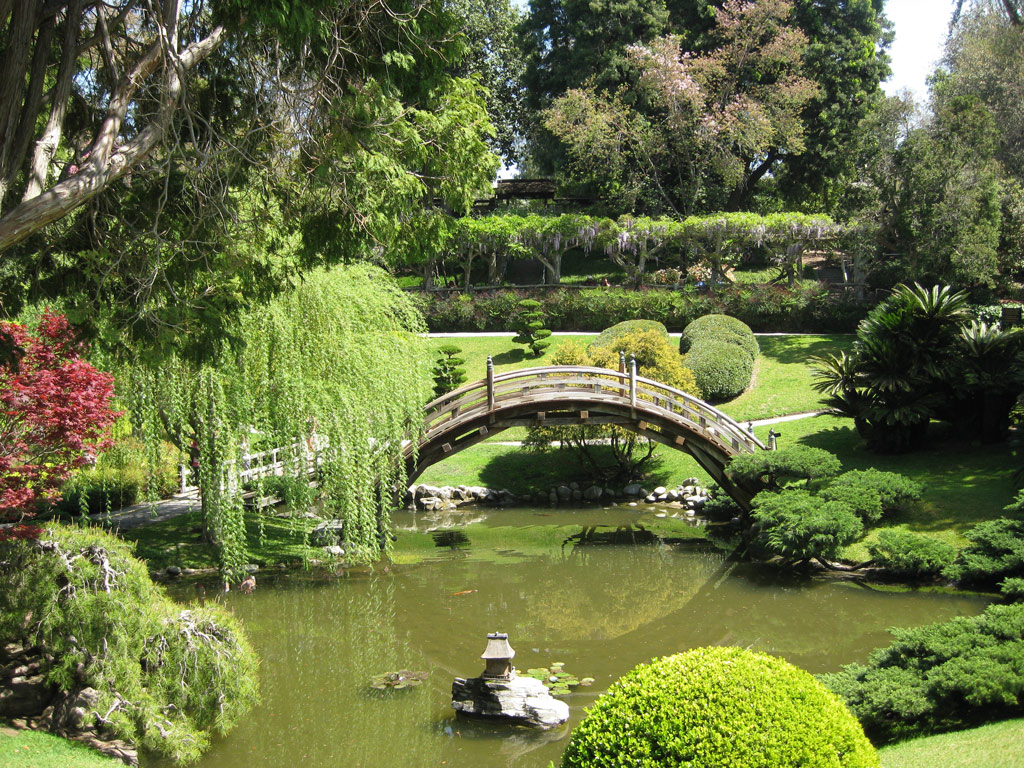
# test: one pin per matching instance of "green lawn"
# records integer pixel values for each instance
(781, 383)
(782, 379)
(35, 749)
(999, 745)
(507, 355)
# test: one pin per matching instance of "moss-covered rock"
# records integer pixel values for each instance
(715, 707)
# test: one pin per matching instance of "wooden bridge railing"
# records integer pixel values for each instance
(549, 384)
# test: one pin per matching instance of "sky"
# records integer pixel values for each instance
(920, 27)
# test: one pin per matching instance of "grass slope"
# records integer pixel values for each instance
(999, 745)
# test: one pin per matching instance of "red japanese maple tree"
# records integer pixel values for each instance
(55, 413)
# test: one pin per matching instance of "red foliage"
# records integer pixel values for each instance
(55, 413)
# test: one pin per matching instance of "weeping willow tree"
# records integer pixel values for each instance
(333, 371)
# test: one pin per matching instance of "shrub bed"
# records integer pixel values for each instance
(941, 677)
(715, 707)
(765, 308)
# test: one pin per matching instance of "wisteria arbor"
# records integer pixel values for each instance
(717, 241)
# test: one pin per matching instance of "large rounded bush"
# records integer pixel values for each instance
(721, 328)
(718, 708)
(656, 358)
(722, 370)
(609, 336)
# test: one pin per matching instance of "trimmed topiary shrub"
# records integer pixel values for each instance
(721, 353)
(609, 336)
(911, 554)
(893, 490)
(719, 328)
(722, 370)
(714, 707)
(941, 677)
(656, 358)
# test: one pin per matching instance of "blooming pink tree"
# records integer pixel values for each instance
(55, 413)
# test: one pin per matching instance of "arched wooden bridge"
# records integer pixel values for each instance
(570, 394)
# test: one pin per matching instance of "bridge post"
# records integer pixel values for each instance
(632, 381)
(490, 384)
(622, 362)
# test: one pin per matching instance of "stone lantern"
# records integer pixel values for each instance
(498, 657)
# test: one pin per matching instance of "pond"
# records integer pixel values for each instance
(598, 590)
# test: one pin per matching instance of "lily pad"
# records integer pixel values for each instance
(556, 679)
(403, 678)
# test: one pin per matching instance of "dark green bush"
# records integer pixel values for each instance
(796, 526)
(719, 328)
(448, 371)
(93, 492)
(713, 707)
(722, 370)
(609, 336)
(941, 677)
(996, 552)
(168, 677)
(775, 469)
(127, 472)
(892, 490)
(1012, 589)
(911, 554)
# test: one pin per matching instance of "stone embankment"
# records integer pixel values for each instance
(431, 498)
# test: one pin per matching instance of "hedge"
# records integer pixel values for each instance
(765, 308)
(713, 707)
(722, 370)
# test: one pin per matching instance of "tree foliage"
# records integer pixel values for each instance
(919, 357)
(251, 141)
(333, 368)
(55, 413)
(167, 677)
(795, 525)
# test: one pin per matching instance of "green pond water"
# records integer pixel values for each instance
(599, 590)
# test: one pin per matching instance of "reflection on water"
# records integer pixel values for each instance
(600, 590)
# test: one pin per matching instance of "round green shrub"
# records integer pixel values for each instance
(911, 554)
(892, 490)
(719, 328)
(714, 707)
(722, 370)
(609, 336)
